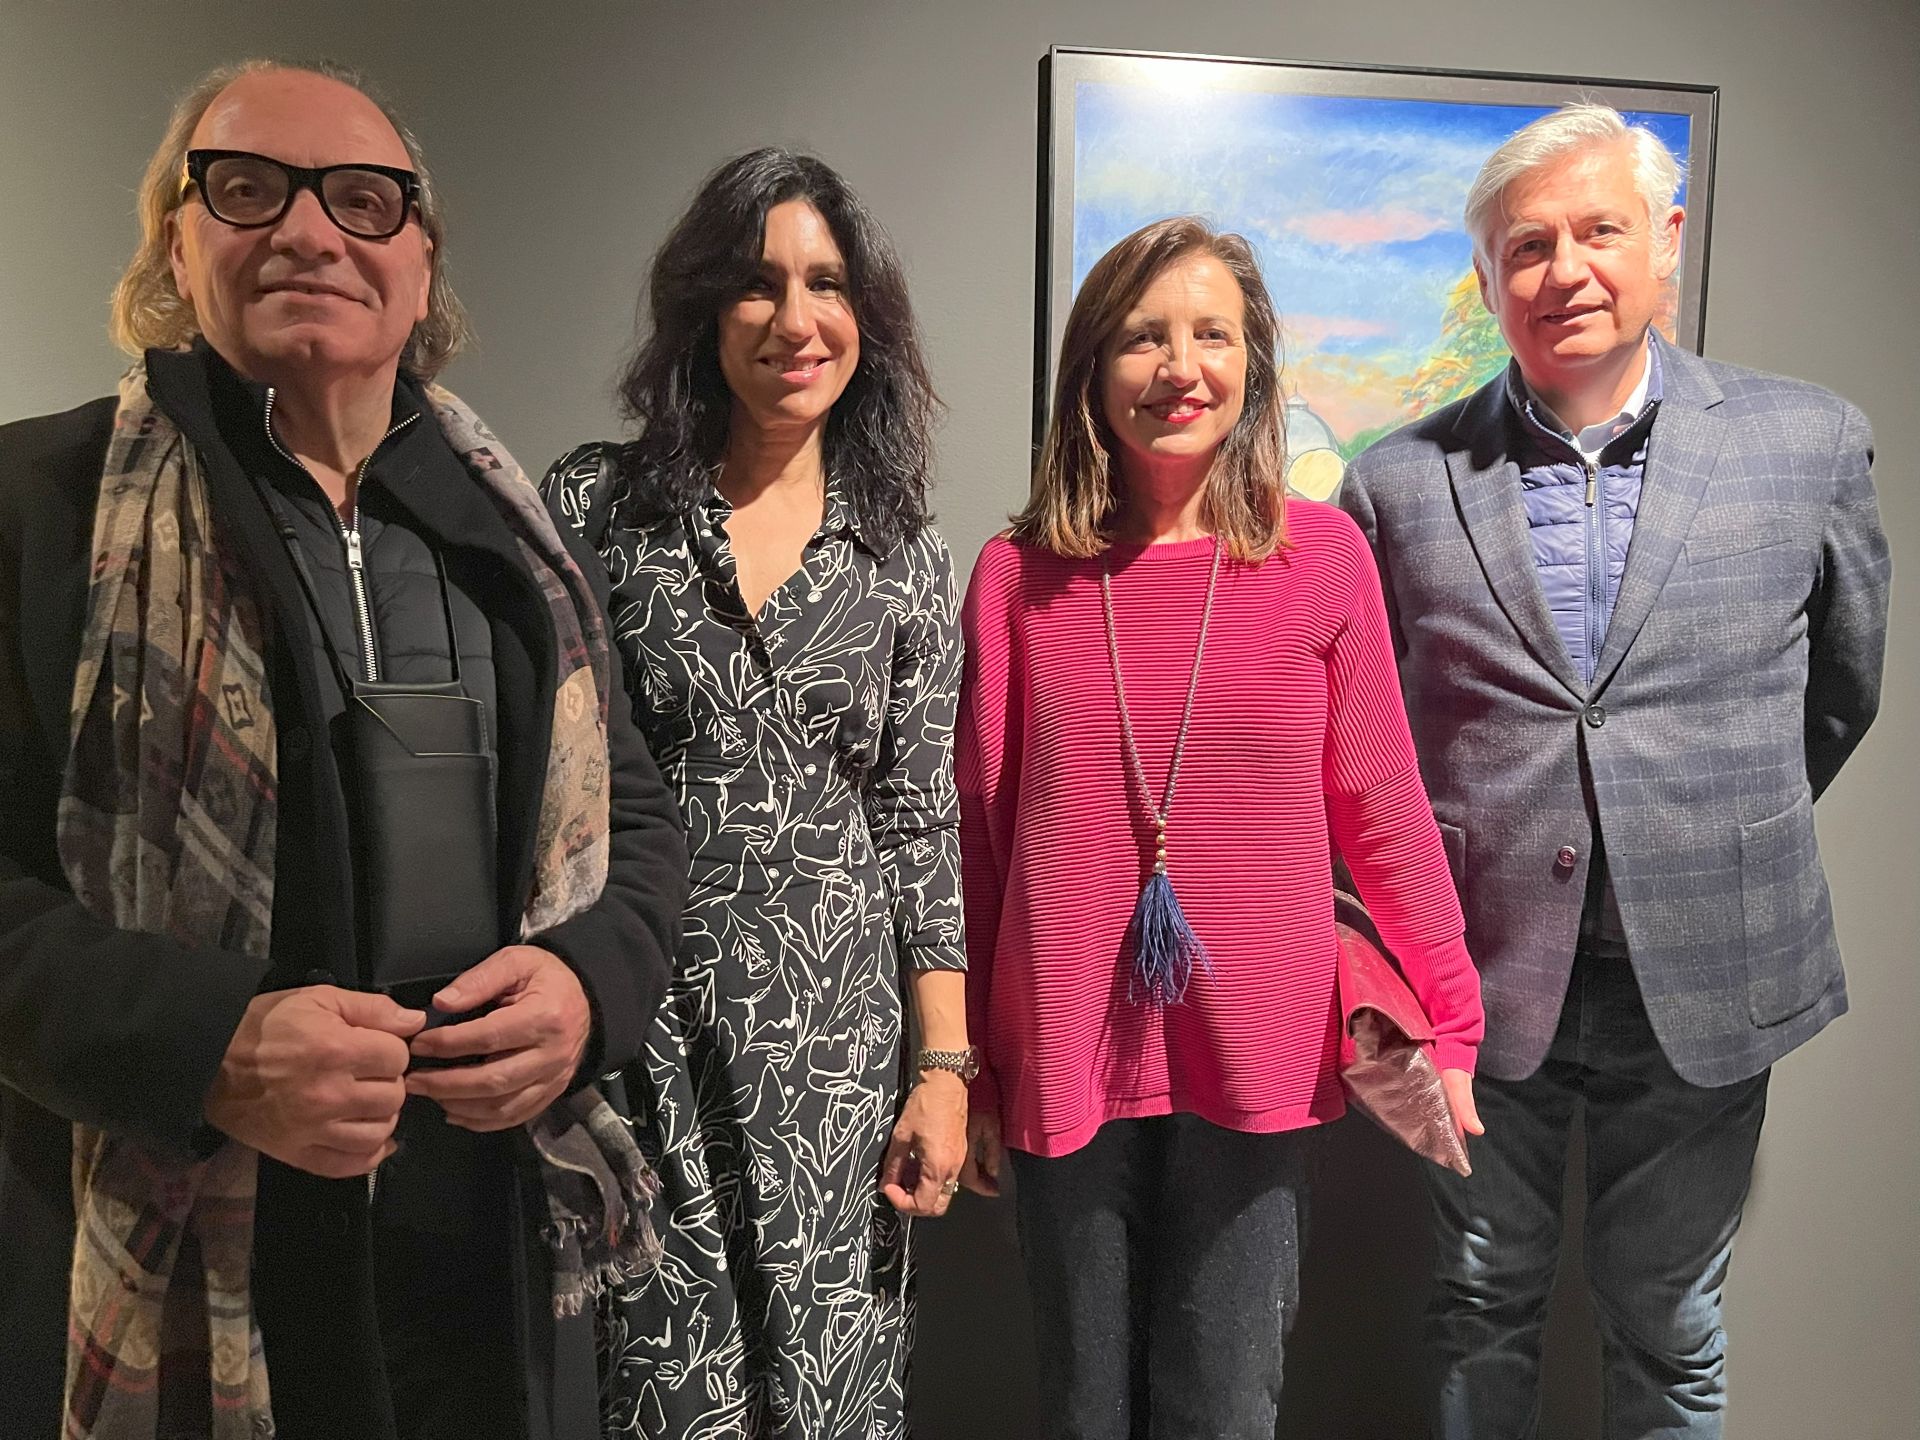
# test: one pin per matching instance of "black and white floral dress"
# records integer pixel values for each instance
(811, 747)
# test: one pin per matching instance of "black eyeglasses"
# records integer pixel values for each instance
(248, 191)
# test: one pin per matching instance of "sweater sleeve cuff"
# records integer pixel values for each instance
(1449, 988)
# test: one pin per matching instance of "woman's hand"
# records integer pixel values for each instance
(985, 1154)
(1459, 1087)
(922, 1167)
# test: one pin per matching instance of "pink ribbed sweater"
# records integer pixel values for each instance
(1298, 728)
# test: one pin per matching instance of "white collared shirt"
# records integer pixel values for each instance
(1592, 440)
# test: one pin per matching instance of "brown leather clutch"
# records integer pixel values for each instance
(1386, 1045)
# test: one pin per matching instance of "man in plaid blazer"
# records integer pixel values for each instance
(1640, 603)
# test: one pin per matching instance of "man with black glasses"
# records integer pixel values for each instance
(330, 876)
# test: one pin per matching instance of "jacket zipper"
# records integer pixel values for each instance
(1596, 566)
(357, 573)
(350, 540)
(357, 576)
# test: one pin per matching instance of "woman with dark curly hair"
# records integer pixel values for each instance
(787, 619)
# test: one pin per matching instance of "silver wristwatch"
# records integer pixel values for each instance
(964, 1063)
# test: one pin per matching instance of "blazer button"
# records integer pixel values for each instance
(294, 743)
(1566, 857)
(1596, 716)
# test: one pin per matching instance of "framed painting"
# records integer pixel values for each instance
(1349, 183)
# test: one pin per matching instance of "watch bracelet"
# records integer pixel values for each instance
(956, 1062)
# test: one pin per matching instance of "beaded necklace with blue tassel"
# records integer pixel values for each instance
(1163, 944)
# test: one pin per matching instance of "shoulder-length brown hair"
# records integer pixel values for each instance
(1071, 506)
(148, 312)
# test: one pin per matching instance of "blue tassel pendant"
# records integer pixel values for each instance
(1163, 943)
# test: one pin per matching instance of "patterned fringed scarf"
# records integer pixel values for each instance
(167, 825)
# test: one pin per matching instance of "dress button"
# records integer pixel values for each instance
(1566, 857)
(1596, 716)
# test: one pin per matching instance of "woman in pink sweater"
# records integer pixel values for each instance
(1179, 692)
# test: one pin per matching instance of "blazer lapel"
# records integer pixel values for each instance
(1686, 440)
(1486, 483)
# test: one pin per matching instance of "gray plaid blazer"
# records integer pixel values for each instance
(1741, 667)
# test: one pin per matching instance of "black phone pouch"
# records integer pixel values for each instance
(419, 775)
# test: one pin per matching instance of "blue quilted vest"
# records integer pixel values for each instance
(1580, 515)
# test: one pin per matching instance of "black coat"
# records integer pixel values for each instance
(125, 1031)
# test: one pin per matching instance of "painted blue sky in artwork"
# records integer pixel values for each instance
(1352, 204)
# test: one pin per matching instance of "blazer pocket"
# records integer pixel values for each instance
(1792, 959)
(1720, 532)
(1706, 550)
(1455, 840)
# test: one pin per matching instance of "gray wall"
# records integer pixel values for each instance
(567, 139)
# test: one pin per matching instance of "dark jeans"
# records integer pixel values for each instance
(1163, 1260)
(1668, 1166)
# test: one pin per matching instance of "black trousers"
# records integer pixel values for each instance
(443, 1282)
(445, 1336)
(1163, 1261)
(424, 1295)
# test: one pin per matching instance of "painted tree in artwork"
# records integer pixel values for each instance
(1469, 352)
